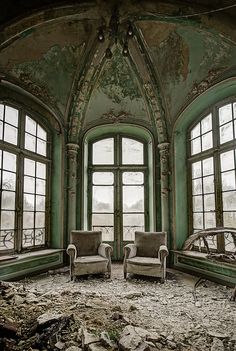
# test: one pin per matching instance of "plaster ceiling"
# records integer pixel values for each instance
(50, 49)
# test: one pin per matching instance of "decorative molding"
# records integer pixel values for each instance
(116, 118)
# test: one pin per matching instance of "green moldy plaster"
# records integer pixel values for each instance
(51, 76)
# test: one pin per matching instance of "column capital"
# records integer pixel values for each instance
(163, 146)
(72, 148)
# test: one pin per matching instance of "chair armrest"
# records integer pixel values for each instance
(71, 251)
(105, 250)
(130, 250)
(163, 252)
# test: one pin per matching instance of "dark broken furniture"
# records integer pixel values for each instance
(147, 256)
(203, 235)
(88, 255)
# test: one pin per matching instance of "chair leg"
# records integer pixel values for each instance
(162, 280)
(125, 275)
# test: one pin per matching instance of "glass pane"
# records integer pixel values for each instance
(229, 200)
(103, 152)
(10, 134)
(1, 129)
(39, 219)
(225, 114)
(197, 204)
(226, 132)
(29, 184)
(210, 219)
(212, 241)
(41, 133)
(40, 187)
(132, 223)
(9, 161)
(207, 142)
(229, 219)
(40, 203)
(133, 199)
(228, 180)
(195, 132)
(234, 108)
(206, 124)
(28, 238)
(1, 111)
(198, 221)
(103, 178)
(41, 147)
(28, 202)
(29, 167)
(208, 184)
(11, 116)
(207, 166)
(30, 142)
(227, 160)
(105, 223)
(133, 178)
(8, 181)
(209, 202)
(103, 199)
(197, 186)
(8, 200)
(7, 239)
(41, 170)
(195, 146)
(196, 169)
(30, 125)
(132, 152)
(7, 219)
(229, 243)
(39, 236)
(28, 219)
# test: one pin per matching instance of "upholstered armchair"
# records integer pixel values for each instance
(88, 255)
(147, 256)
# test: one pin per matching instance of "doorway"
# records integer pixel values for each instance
(117, 189)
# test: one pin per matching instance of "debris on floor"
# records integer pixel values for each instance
(49, 312)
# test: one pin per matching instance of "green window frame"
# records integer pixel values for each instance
(212, 170)
(24, 181)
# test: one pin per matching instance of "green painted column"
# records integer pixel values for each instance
(164, 166)
(72, 153)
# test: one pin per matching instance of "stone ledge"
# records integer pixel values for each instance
(31, 262)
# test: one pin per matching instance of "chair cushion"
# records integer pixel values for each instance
(144, 261)
(148, 243)
(86, 242)
(90, 259)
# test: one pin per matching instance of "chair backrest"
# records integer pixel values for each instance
(148, 243)
(86, 242)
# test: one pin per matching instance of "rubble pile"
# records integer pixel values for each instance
(49, 312)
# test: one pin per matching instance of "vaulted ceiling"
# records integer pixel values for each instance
(50, 49)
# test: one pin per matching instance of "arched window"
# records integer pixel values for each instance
(23, 181)
(118, 197)
(212, 160)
